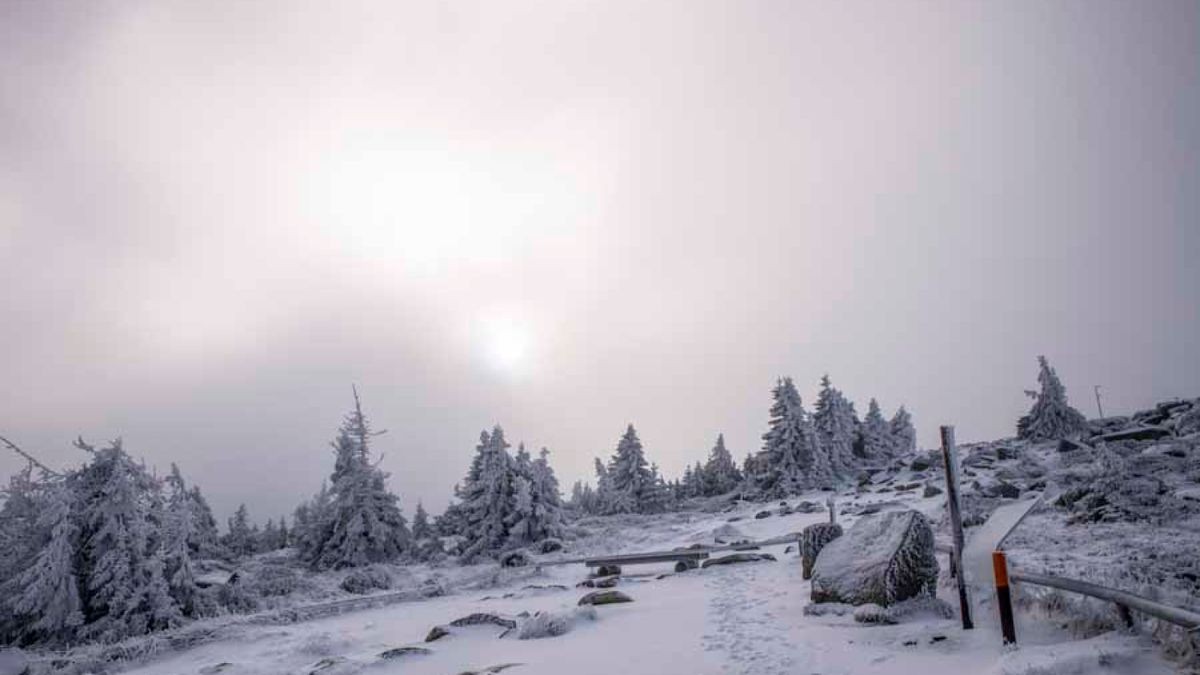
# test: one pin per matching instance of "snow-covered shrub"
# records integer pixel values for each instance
(554, 624)
(516, 558)
(236, 597)
(367, 579)
(549, 545)
(274, 580)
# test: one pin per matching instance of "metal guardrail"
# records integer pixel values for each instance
(1125, 601)
(1180, 617)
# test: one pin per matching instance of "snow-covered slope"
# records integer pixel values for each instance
(741, 618)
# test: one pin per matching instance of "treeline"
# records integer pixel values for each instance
(801, 451)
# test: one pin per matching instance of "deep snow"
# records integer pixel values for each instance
(743, 618)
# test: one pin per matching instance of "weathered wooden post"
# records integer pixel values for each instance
(1004, 597)
(950, 459)
(831, 504)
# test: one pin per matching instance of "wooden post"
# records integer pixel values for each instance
(950, 459)
(831, 504)
(1004, 597)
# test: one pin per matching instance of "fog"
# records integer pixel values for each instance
(567, 216)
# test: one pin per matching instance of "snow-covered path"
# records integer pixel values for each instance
(743, 619)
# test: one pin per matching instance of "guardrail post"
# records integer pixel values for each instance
(1004, 597)
(950, 459)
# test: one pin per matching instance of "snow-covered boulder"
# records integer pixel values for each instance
(812, 540)
(883, 559)
(367, 579)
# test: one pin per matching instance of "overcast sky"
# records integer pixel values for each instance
(567, 216)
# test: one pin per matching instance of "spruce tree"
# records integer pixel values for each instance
(206, 539)
(875, 436)
(1051, 417)
(547, 502)
(720, 473)
(487, 495)
(46, 597)
(126, 592)
(603, 497)
(420, 525)
(633, 486)
(362, 523)
(178, 533)
(239, 539)
(834, 419)
(904, 435)
(793, 457)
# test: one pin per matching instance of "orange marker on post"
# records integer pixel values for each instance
(1004, 597)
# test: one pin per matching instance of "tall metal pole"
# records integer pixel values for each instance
(950, 459)
(1098, 408)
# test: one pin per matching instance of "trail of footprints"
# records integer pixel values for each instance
(744, 625)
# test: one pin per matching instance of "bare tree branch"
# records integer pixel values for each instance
(30, 458)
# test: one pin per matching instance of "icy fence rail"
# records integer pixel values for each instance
(1125, 601)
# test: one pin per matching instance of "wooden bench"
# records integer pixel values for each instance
(684, 560)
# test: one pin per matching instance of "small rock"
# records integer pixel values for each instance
(789, 549)
(206, 670)
(335, 665)
(604, 598)
(437, 633)
(550, 545)
(491, 670)
(919, 464)
(909, 643)
(684, 565)
(762, 514)
(483, 618)
(1008, 491)
(931, 491)
(404, 651)
(936, 638)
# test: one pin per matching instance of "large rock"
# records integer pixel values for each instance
(812, 540)
(884, 558)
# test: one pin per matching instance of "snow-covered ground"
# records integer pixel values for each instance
(740, 618)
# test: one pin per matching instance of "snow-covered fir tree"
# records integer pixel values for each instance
(206, 539)
(239, 536)
(834, 418)
(875, 437)
(903, 434)
(547, 517)
(420, 524)
(45, 598)
(120, 553)
(179, 525)
(487, 496)
(720, 473)
(793, 457)
(603, 497)
(1051, 417)
(362, 523)
(634, 487)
